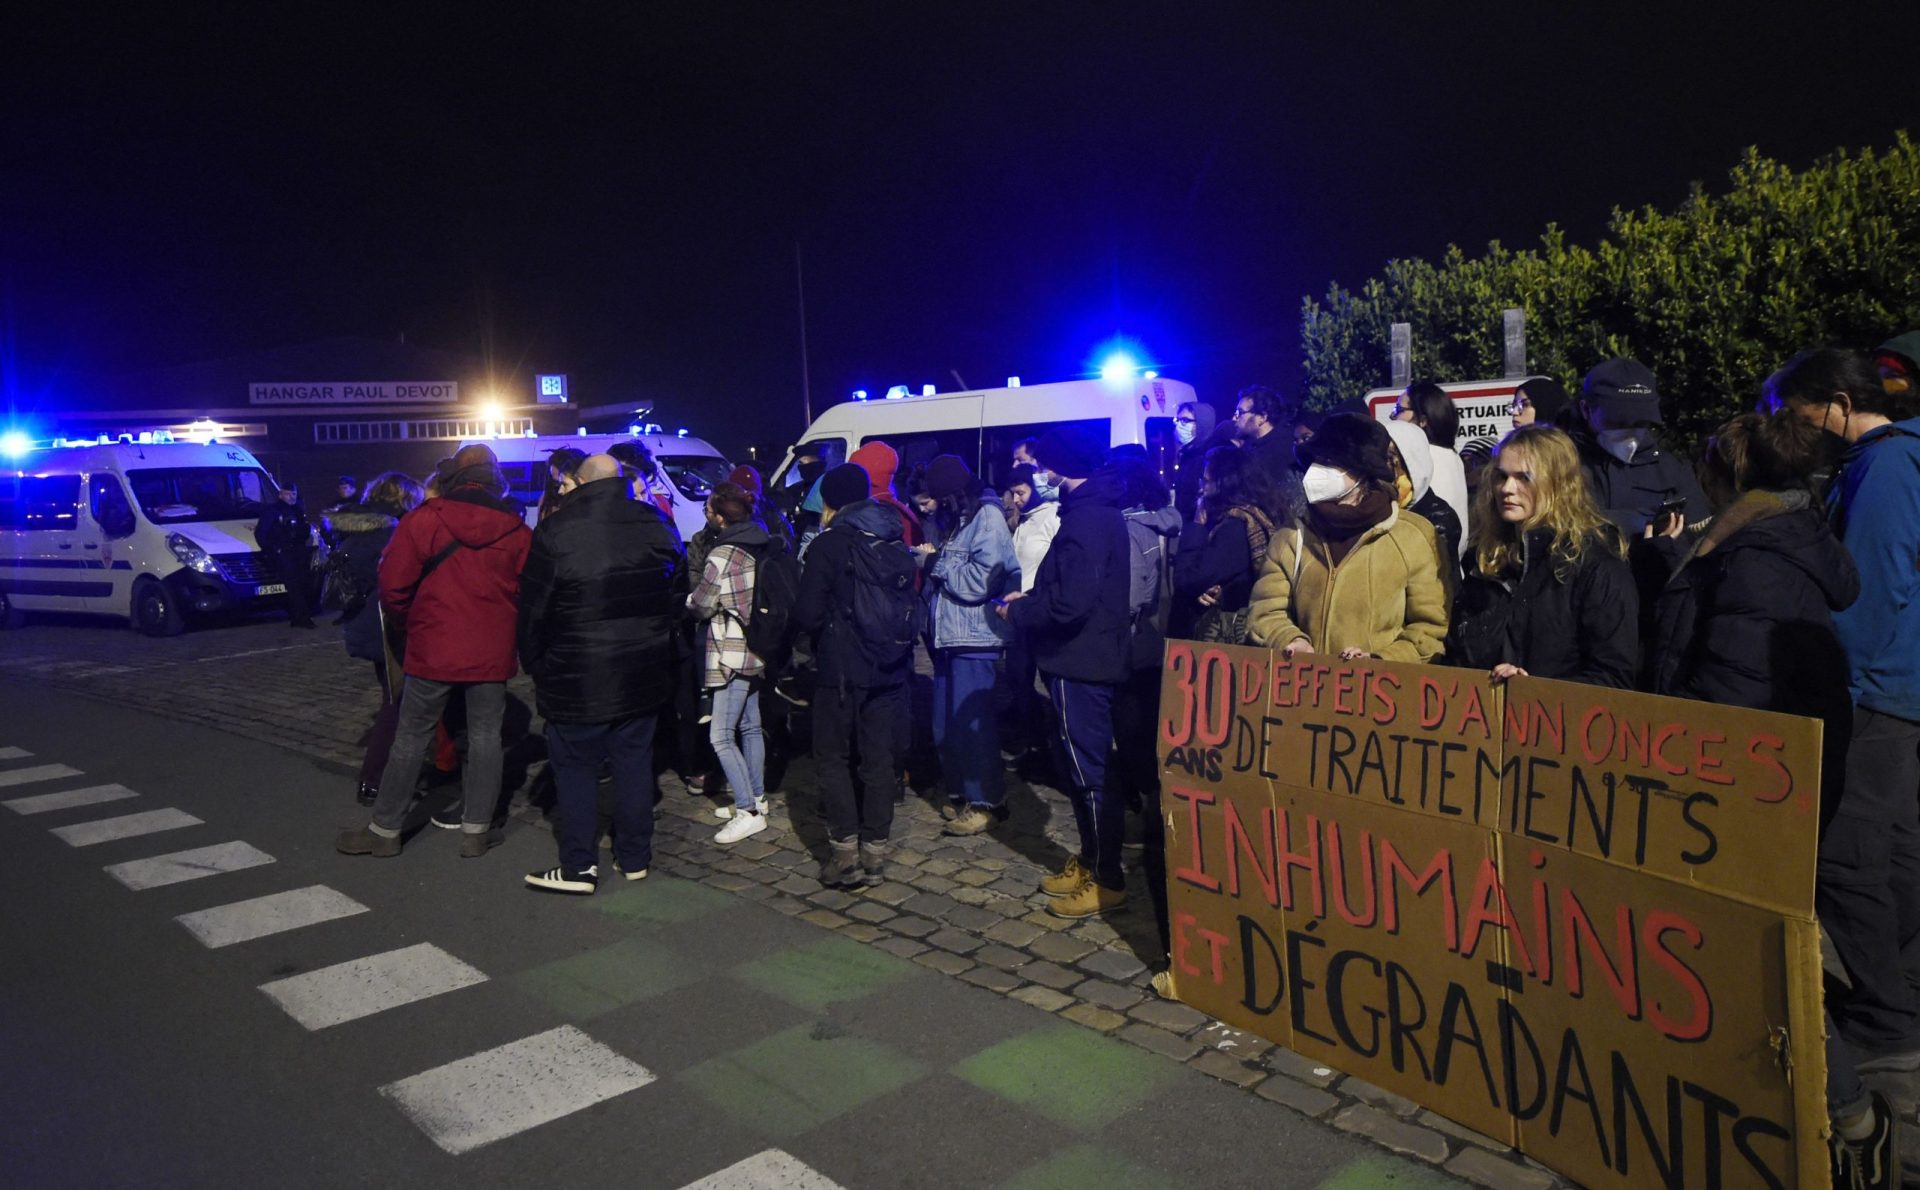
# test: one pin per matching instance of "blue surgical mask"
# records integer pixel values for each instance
(1184, 431)
(1045, 487)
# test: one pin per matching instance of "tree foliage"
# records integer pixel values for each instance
(1712, 296)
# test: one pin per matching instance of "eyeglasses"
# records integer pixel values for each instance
(1520, 403)
(1183, 421)
(1240, 413)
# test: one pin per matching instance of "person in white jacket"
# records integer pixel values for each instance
(1038, 521)
(1428, 406)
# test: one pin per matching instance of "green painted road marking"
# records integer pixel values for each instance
(791, 1082)
(1070, 1074)
(662, 899)
(824, 973)
(602, 980)
(1085, 1165)
(1379, 1171)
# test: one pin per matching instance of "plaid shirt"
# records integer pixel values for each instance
(724, 599)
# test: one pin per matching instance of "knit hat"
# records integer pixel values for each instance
(1624, 391)
(1070, 453)
(747, 478)
(1355, 444)
(879, 461)
(843, 485)
(947, 476)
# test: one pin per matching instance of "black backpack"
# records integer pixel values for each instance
(884, 611)
(776, 590)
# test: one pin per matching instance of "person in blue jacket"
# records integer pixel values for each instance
(1867, 890)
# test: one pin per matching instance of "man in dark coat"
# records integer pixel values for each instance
(1078, 621)
(599, 600)
(286, 535)
(450, 585)
(1630, 476)
(1263, 426)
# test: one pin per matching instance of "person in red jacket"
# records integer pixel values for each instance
(450, 585)
(881, 461)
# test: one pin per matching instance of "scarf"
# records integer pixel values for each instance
(1341, 526)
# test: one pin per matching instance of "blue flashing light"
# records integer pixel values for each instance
(634, 430)
(1117, 367)
(15, 443)
(897, 393)
(681, 432)
(927, 390)
(1013, 382)
(859, 394)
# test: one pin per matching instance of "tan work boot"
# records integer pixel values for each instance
(1067, 880)
(1093, 898)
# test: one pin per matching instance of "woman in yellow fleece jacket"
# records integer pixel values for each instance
(1355, 578)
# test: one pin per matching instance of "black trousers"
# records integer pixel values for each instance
(296, 571)
(850, 721)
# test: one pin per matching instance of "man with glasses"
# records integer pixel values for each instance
(1193, 430)
(1262, 426)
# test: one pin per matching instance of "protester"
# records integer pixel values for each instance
(1355, 578)
(1548, 592)
(1260, 425)
(1633, 481)
(1075, 617)
(1413, 481)
(1193, 430)
(1867, 886)
(1023, 452)
(880, 461)
(1033, 533)
(450, 584)
(1427, 406)
(1222, 547)
(1305, 424)
(723, 601)
(563, 467)
(598, 601)
(766, 513)
(1543, 401)
(857, 599)
(364, 532)
(644, 475)
(286, 535)
(973, 566)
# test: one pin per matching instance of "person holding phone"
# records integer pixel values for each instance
(1633, 480)
(1548, 592)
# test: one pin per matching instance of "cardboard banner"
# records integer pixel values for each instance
(1574, 919)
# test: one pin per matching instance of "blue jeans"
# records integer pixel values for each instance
(575, 752)
(738, 741)
(1084, 711)
(422, 702)
(965, 732)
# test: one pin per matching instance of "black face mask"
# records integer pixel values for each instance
(1833, 446)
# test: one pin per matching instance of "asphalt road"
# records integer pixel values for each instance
(426, 1019)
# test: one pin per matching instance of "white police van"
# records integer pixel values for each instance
(982, 425)
(692, 467)
(145, 531)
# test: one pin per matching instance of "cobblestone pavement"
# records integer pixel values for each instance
(968, 908)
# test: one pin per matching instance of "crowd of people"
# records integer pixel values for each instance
(1778, 572)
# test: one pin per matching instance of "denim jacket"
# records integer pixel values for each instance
(974, 566)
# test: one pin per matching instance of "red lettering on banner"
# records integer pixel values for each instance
(1177, 730)
(1659, 749)
(1476, 712)
(1307, 861)
(1577, 929)
(1654, 930)
(1385, 687)
(1240, 839)
(1251, 673)
(1433, 706)
(1490, 908)
(1195, 873)
(1337, 877)
(1762, 750)
(1440, 869)
(1708, 764)
(1215, 668)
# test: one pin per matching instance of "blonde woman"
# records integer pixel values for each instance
(1548, 592)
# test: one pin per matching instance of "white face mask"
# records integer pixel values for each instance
(1183, 432)
(1621, 444)
(1323, 484)
(1045, 487)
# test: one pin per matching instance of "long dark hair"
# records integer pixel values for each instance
(1238, 479)
(1433, 412)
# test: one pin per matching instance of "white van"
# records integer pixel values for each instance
(981, 426)
(147, 533)
(693, 467)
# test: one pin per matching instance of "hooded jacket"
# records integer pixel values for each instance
(1076, 615)
(1384, 597)
(599, 601)
(363, 531)
(1578, 625)
(975, 566)
(1874, 503)
(880, 462)
(826, 595)
(459, 622)
(1189, 462)
(723, 598)
(1630, 493)
(1418, 455)
(1032, 537)
(1748, 619)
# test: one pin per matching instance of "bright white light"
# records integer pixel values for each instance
(927, 390)
(15, 443)
(859, 394)
(897, 392)
(1150, 374)
(1118, 366)
(582, 431)
(491, 411)
(680, 433)
(1013, 382)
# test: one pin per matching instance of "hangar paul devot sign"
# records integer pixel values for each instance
(352, 392)
(1577, 919)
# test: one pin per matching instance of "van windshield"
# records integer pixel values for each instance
(177, 495)
(696, 475)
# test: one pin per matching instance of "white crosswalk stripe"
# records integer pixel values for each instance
(772, 1170)
(244, 921)
(67, 799)
(348, 991)
(496, 1094)
(138, 874)
(127, 826)
(38, 772)
(14, 754)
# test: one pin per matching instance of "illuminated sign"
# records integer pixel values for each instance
(551, 389)
(352, 392)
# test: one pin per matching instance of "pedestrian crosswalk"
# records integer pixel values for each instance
(462, 1105)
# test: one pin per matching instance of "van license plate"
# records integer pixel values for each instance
(271, 589)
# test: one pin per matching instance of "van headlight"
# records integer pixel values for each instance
(190, 554)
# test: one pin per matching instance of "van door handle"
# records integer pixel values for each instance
(66, 545)
(91, 545)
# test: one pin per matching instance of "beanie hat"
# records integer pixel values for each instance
(844, 485)
(1355, 444)
(1069, 453)
(947, 476)
(1624, 390)
(879, 461)
(747, 479)
(1549, 400)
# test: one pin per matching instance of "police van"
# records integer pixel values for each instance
(145, 531)
(982, 426)
(692, 469)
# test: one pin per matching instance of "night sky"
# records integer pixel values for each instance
(992, 189)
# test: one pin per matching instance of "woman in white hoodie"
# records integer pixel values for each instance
(1033, 533)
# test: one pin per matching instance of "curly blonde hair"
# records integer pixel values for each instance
(394, 490)
(1561, 503)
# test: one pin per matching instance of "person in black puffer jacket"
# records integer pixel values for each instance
(1747, 620)
(600, 598)
(364, 530)
(1549, 594)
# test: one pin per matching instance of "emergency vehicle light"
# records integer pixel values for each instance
(1118, 366)
(926, 390)
(1013, 382)
(897, 392)
(859, 394)
(15, 443)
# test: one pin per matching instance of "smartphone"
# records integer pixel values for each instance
(1675, 507)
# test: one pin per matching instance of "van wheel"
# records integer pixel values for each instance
(154, 611)
(10, 616)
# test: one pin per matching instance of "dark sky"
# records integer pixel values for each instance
(982, 187)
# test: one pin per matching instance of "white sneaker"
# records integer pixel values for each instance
(741, 826)
(638, 874)
(725, 812)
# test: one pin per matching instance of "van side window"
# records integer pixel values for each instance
(998, 464)
(917, 450)
(40, 502)
(108, 503)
